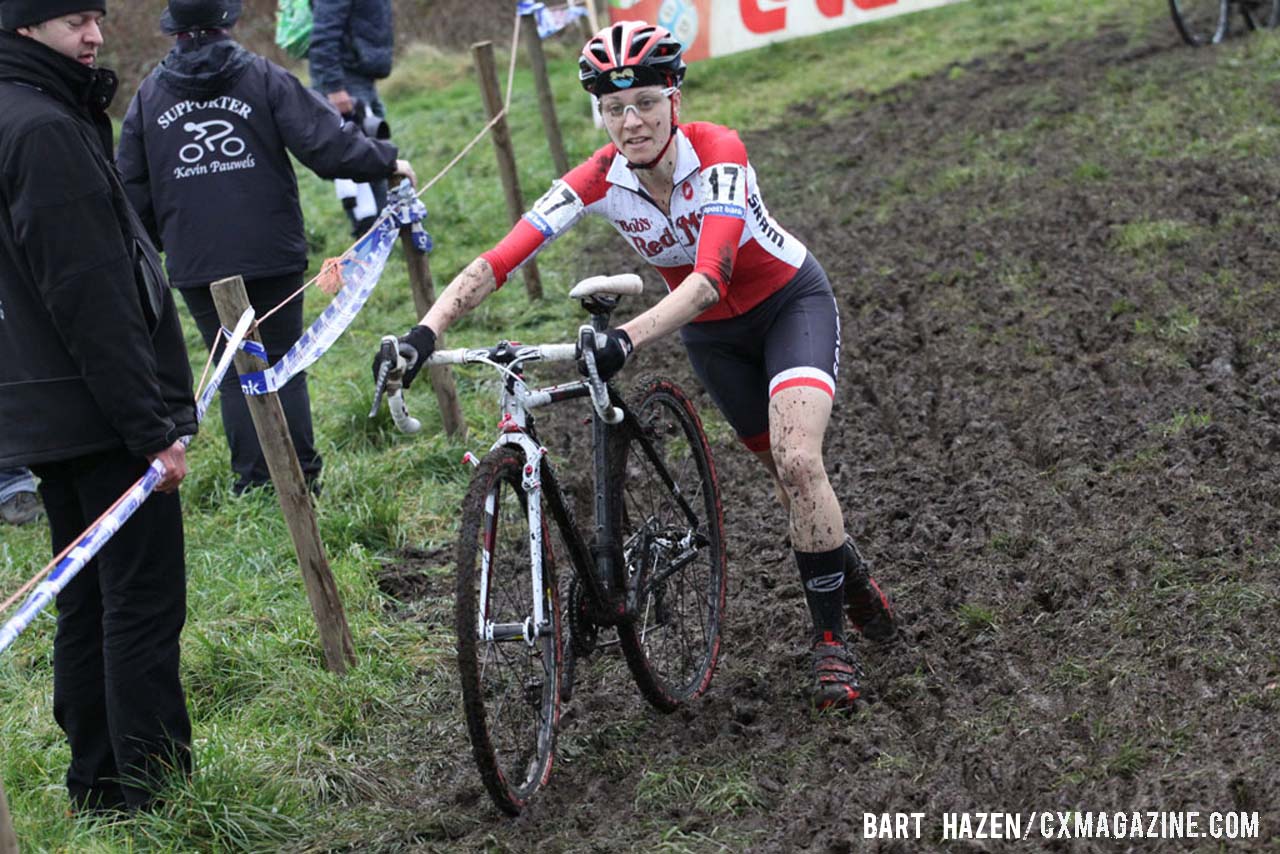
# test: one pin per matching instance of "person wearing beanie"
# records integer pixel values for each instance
(94, 386)
(18, 14)
(204, 153)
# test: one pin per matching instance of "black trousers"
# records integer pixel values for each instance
(116, 691)
(280, 331)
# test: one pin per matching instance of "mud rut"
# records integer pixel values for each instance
(1084, 564)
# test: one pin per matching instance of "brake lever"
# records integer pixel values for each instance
(392, 362)
(599, 388)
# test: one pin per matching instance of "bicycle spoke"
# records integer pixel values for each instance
(509, 684)
(675, 563)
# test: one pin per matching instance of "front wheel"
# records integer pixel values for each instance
(1201, 22)
(1261, 14)
(509, 655)
(672, 532)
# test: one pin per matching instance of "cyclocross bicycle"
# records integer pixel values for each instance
(1202, 22)
(652, 570)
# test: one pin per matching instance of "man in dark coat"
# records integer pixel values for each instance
(94, 384)
(351, 49)
(204, 152)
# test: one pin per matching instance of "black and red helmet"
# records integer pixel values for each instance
(629, 54)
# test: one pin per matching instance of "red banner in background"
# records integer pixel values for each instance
(688, 20)
(718, 27)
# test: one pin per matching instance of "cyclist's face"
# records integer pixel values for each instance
(75, 36)
(639, 120)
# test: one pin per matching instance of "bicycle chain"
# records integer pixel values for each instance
(583, 632)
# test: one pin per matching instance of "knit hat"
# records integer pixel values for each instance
(183, 16)
(24, 13)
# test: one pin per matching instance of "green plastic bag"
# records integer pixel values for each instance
(293, 27)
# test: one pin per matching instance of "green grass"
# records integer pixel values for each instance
(291, 757)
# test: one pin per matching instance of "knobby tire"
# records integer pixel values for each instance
(673, 646)
(1262, 14)
(510, 688)
(1201, 22)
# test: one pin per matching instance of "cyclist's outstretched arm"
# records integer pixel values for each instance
(467, 290)
(695, 294)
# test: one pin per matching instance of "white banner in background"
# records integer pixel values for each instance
(759, 22)
(718, 27)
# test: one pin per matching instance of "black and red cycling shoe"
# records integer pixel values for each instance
(866, 605)
(837, 675)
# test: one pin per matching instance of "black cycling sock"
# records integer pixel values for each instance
(823, 576)
(856, 575)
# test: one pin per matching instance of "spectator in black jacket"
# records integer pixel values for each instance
(204, 152)
(351, 48)
(94, 384)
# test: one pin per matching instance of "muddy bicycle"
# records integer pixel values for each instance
(653, 571)
(1202, 22)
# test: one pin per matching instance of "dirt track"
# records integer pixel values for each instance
(1058, 447)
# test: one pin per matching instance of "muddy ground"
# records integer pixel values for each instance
(1058, 443)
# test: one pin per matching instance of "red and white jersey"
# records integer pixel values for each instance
(718, 224)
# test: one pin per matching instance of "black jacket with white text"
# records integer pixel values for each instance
(204, 152)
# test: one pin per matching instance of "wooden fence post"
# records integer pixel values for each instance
(8, 839)
(546, 100)
(592, 21)
(482, 53)
(230, 299)
(424, 294)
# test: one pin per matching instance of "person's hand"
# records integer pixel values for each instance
(611, 353)
(415, 347)
(404, 170)
(174, 458)
(342, 101)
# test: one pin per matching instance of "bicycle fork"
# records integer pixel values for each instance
(537, 624)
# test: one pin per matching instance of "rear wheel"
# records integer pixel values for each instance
(672, 535)
(1261, 14)
(1201, 22)
(509, 663)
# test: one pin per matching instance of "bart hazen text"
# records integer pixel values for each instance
(182, 108)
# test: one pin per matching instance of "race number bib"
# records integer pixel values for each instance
(557, 210)
(724, 189)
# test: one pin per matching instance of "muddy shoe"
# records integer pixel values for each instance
(20, 509)
(866, 605)
(837, 676)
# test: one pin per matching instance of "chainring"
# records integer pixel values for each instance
(583, 631)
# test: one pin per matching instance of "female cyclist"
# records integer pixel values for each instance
(754, 308)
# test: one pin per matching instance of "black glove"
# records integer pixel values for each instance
(611, 356)
(416, 347)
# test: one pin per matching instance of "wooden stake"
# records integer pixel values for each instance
(482, 53)
(546, 100)
(591, 16)
(424, 294)
(230, 299)
(8, 839)
(586, 26)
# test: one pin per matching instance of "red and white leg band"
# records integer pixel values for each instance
(800, 377)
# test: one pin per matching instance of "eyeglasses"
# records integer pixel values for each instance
(644, 105)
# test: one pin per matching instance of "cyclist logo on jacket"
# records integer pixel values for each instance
(210, 142)
(214, 137)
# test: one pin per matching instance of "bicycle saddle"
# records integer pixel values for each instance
(627, 283)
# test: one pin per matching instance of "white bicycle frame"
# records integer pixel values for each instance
(517, 401)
